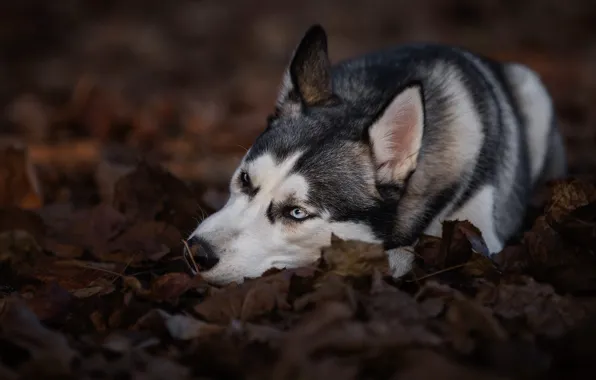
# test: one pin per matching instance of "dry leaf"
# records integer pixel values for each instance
(355, 258)
(151, 193)
(19, 185)
(249, 300)
(49, 301)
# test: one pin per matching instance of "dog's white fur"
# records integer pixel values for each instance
(537, 108)
(248, 244)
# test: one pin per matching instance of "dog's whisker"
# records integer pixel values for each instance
(188, 256)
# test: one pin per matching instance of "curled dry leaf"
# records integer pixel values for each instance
(355, 258)
(460, 248)
(460, 240)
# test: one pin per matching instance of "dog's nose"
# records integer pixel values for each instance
(203, 253)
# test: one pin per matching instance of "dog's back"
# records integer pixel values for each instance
(490, 135)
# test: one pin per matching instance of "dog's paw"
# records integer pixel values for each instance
(401, 261)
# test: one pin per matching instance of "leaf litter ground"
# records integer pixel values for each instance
(92, 279)
(103, 292)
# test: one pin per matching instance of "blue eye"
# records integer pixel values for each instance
(298, 213)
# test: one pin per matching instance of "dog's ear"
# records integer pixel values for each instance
(396, 136)
(307, 79)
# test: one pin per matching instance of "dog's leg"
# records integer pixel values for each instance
(478, 210)
(401, 260)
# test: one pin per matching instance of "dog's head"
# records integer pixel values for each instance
(322, 166)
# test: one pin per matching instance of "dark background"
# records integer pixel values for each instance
(89, 85)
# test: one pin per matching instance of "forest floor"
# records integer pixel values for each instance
(119, 131)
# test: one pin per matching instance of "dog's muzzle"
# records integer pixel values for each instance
(202, 252)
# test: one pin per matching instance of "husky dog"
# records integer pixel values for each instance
(382, 149)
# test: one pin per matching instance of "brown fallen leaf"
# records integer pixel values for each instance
(394, 304)
(469, 321)
(91, 228)
(152, 193)
(12, 218)
(461, 248)
(31, 115)
(460, 240)
(20, 249)
(481, 266)
(178, 326)
(568, 195)
(115, 163)
(330, 288)
(19, 185)
(49, 301)
(538, 307)
(98, 287)
(419, 364)
(82, 279)
(331, 331)
(573, 354)
(171, 286)
(98, 321)
(255, 332)
(354, 258)
(559, 261)
(249, 300)
(63, 250)
(145, 240)
(428, 248)
(513, 259)
(579, 227)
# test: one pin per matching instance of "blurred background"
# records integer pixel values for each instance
(88, 86)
